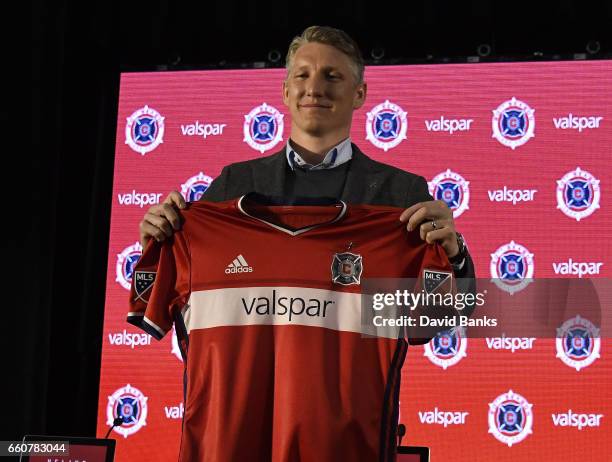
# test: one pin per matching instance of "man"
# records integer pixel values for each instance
(323, 86)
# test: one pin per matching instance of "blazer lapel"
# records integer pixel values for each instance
(270, 177)
(363, 180)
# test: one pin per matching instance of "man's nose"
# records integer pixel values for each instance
(315, 86)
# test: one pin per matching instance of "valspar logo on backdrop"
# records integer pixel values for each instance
(452, 189)
(130, 404)
(578, 194)
(449, 126)
(128, 339)
(444, 418)
(576, 420)
(575, 268)
(512, 195)
(386, 125)
(202, 129)
(510, 418)
(139, 199)
(513, 123)
(572, 122)
(174, 412)
(510, 343)
(263, 127)
(144, 130)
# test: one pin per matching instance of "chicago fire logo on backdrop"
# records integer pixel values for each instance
(578, 194)
(195, 186)
(447, 348)
(386, 125)
(144, 130)
(513, 123)
(512, 267)
(510, 418)
(346, 268)
(578, 343)
(126, 261)
(452, 189)
(263, 127)
(130, 404)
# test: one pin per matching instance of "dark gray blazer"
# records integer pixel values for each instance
(368, 182)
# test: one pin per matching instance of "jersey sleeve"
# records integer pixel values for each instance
(435, 280)
(161, 284)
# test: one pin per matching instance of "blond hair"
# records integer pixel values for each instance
(336, 38)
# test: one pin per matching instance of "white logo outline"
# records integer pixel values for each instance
(563, 183)
(159, 136)
(373, 114)
(499, 112)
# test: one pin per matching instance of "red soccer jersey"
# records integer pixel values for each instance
(267, 308)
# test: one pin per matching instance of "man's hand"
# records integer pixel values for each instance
(162, 220)
(435, 222)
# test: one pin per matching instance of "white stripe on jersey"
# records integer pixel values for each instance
(287, 306)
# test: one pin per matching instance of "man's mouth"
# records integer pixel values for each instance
(315, 106)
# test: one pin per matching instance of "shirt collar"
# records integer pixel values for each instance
(338, 155)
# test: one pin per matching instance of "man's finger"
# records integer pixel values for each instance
(159, 222)
(417, 218)
(428, 225)
(437, 235)
(175, 198)
(173, 217)
(406, 214)
(149, 231)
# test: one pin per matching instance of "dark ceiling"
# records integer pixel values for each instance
(141, 35)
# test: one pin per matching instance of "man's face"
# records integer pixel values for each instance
(321, 91)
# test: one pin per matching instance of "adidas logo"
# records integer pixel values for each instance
(239, 265)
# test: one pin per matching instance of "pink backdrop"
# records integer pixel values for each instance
(505, 188)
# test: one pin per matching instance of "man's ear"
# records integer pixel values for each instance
(360, 95)
(285, 91)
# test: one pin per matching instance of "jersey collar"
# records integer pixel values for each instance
(260, 199)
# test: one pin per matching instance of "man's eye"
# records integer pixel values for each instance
(333, 76)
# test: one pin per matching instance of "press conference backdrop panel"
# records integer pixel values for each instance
(520, 151)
